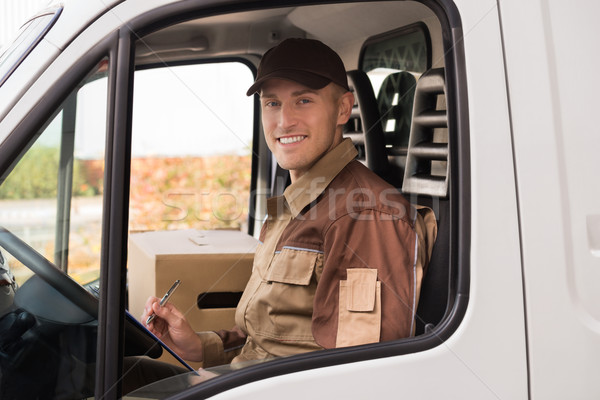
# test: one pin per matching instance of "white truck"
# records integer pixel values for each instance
(123, 116)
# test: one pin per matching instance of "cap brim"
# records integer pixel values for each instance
(305, 78)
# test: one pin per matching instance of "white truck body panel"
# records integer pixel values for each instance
(551, 78)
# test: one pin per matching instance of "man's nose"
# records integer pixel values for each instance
(287, 117)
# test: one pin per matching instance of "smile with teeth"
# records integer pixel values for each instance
(291, 139)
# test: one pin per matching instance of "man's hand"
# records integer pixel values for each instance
(170, 326)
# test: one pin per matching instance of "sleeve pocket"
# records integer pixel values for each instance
(359, 319)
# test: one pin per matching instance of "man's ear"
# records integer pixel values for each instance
(345, 108)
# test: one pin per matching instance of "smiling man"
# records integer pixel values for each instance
(301, 124)
(341, 253)
(305, 102)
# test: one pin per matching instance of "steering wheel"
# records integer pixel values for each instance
(138, 340)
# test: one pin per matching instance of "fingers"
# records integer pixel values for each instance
(169, 313)
(171, 326)
(150, 301)
(148, 308)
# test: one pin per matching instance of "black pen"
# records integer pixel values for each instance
(164, 299)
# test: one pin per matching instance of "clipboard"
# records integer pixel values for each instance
(162, 344)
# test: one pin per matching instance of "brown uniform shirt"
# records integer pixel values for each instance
(340, 263)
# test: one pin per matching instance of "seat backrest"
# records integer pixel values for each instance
(436, 284)
(395, 102)
(426, 178)
(378, 149)
(364, 126)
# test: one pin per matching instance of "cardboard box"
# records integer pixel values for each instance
(204, 261)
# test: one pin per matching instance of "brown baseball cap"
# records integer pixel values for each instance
(306, 61)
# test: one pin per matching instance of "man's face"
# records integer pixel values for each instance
(302, 124)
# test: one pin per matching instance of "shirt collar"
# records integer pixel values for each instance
(310, 185)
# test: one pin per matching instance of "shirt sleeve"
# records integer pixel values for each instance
(221, 347)
(367, 288)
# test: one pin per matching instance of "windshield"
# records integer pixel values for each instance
(30, 34)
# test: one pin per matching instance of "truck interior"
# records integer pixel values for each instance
(187, 64)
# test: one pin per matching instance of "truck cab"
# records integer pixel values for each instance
(130, 156)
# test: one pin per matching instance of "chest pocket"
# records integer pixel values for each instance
(294, 266)
(284, 302)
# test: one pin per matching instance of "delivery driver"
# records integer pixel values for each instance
(341, 253)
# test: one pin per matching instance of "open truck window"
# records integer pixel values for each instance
(401, 128)
(190, 188)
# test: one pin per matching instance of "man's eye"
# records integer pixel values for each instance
(271, 104)
(304, 101)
